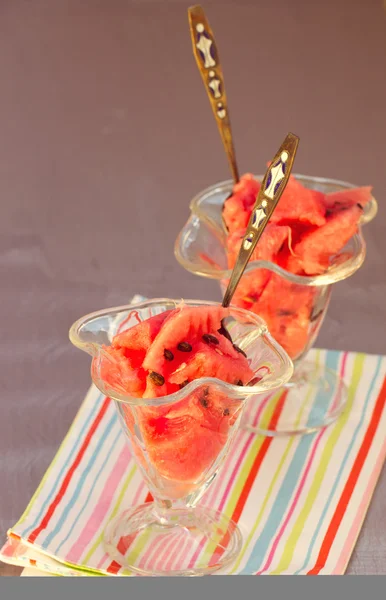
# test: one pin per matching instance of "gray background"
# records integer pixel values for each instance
(106, 134)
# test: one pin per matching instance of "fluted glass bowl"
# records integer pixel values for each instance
(180, 442)
(302, 300)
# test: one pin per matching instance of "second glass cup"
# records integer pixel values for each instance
(316, 395)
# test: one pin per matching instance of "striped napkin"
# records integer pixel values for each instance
(299, 501)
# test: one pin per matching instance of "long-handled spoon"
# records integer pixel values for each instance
(208, 62)
(272, 187)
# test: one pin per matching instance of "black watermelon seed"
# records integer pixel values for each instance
(224, 331)
(157, 378)
(210, 339)
(184, 383)
(168, 354)
(184, 347)
(226, 412)
(239, 350)
(360, 206)
(239, 382)
(204, 402)
(205, 392)
(284, 313)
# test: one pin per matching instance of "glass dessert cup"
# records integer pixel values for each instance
(316, 395)
(179, 442)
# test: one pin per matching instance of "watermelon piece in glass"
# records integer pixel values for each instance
(180, 379)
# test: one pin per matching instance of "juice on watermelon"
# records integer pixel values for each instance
(307, 230)
(180, 441)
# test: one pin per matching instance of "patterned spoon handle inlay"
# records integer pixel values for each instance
(272, 187)
(208, 62)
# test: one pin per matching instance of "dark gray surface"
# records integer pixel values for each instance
(106, 134)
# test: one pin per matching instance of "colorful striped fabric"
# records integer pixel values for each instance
(299, 501)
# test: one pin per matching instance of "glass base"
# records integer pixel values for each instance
(186, 542)
(313, 399)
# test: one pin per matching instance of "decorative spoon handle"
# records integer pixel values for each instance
(272, 187)
(208, 62)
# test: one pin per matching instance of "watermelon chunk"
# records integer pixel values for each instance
(268, 246)
(336, 201)
(186, 441)
(292, 331)
(250, 288)
(253, 283)
(298, 203)
(285, 296)
(121, 363)
(238, 207)
(182, 335)
(159, 356)
(286, 307)
(314, 251)
(209, 360)
(120, 372)
(180, 449)
(140, 337)
(247, 187)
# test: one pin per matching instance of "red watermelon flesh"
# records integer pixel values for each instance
(269, 244)
(336, 201)
(297, 232)
(137, 339)
(287, 296)
(319, 226)
(238, 207)
(121, 363)
(182, 439)
(179, 448)
(314, 251)
(116, 368)
(186, 441)
(286, 307)
(247, 187)
(250, 288)
(253, 283)
(290, 331)
(186, 327)
(209, 360)
(298, 203)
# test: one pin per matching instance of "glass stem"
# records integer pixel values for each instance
(168, 513)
